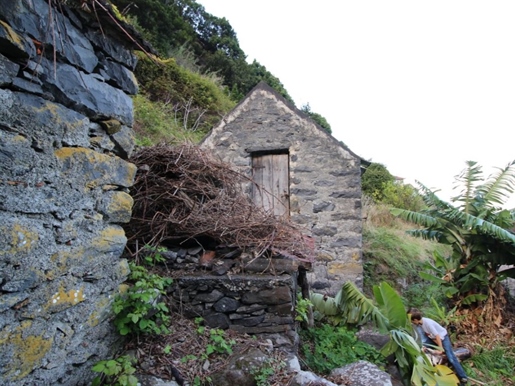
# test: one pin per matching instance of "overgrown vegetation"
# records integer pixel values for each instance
(155, 122)
(202, 74)
(480, 233)
(327, 347)
(494, 367)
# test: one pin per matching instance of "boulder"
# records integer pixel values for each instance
(239, 369)
(306, 378)
(363, 373)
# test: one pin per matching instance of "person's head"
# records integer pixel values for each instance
(415, 316)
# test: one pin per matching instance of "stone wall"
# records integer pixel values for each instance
(65, 132)
(232, 289)
(325, 180)
(252, 304)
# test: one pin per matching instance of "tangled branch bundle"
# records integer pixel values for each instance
(184, 193)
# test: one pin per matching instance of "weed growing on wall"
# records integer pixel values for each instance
(153, 255)
(140, 309)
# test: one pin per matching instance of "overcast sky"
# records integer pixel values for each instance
(420, 87)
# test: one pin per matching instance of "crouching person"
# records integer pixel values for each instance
(437, 335)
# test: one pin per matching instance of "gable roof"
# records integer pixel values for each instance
(262, 85)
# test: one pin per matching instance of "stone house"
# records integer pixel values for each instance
(301, 171)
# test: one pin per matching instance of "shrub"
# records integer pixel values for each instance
(374, 180)
(402, 196)
(196, 100)
(155, 122)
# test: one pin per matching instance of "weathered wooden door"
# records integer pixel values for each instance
(272, 182)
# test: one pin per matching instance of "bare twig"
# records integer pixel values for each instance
(183, 193)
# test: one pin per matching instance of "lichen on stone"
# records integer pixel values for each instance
(27, 350)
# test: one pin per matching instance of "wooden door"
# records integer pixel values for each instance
(271, 189)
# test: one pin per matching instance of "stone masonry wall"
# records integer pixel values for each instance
(65, 132)
(252, 304)
(325, 184)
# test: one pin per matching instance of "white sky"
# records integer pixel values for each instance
(420, 87)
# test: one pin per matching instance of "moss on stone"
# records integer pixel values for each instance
(102, 308)
(325, 257)
(340, 269)
(111, 126)
(110, 237)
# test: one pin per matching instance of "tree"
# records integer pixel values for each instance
(375, 179)
(480, 233)
(175, 25)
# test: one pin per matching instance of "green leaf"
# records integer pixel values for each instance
(132, 380)
(393, 307)
(143, 324)
(99, 367)
(324, 304)
(474, 298)
(434, 279)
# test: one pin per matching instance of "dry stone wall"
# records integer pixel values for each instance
(231, 289)
(252, 304)
(65, 135)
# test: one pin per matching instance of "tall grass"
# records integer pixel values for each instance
(156, 122)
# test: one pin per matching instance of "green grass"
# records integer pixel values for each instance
(156, 122)
(494, 367)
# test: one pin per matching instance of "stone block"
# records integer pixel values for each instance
(273, 296)
(13, 44)
(8, 71)
(24, 346)
(339, 270)
(90, 169)
(55, 123)
(87, 94)
(124, 141)
(116, 207)
(111, 126)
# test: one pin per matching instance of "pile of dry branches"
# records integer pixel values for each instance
(184, 193)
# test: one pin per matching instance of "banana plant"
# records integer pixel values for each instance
(477, 228)
(388, 313)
